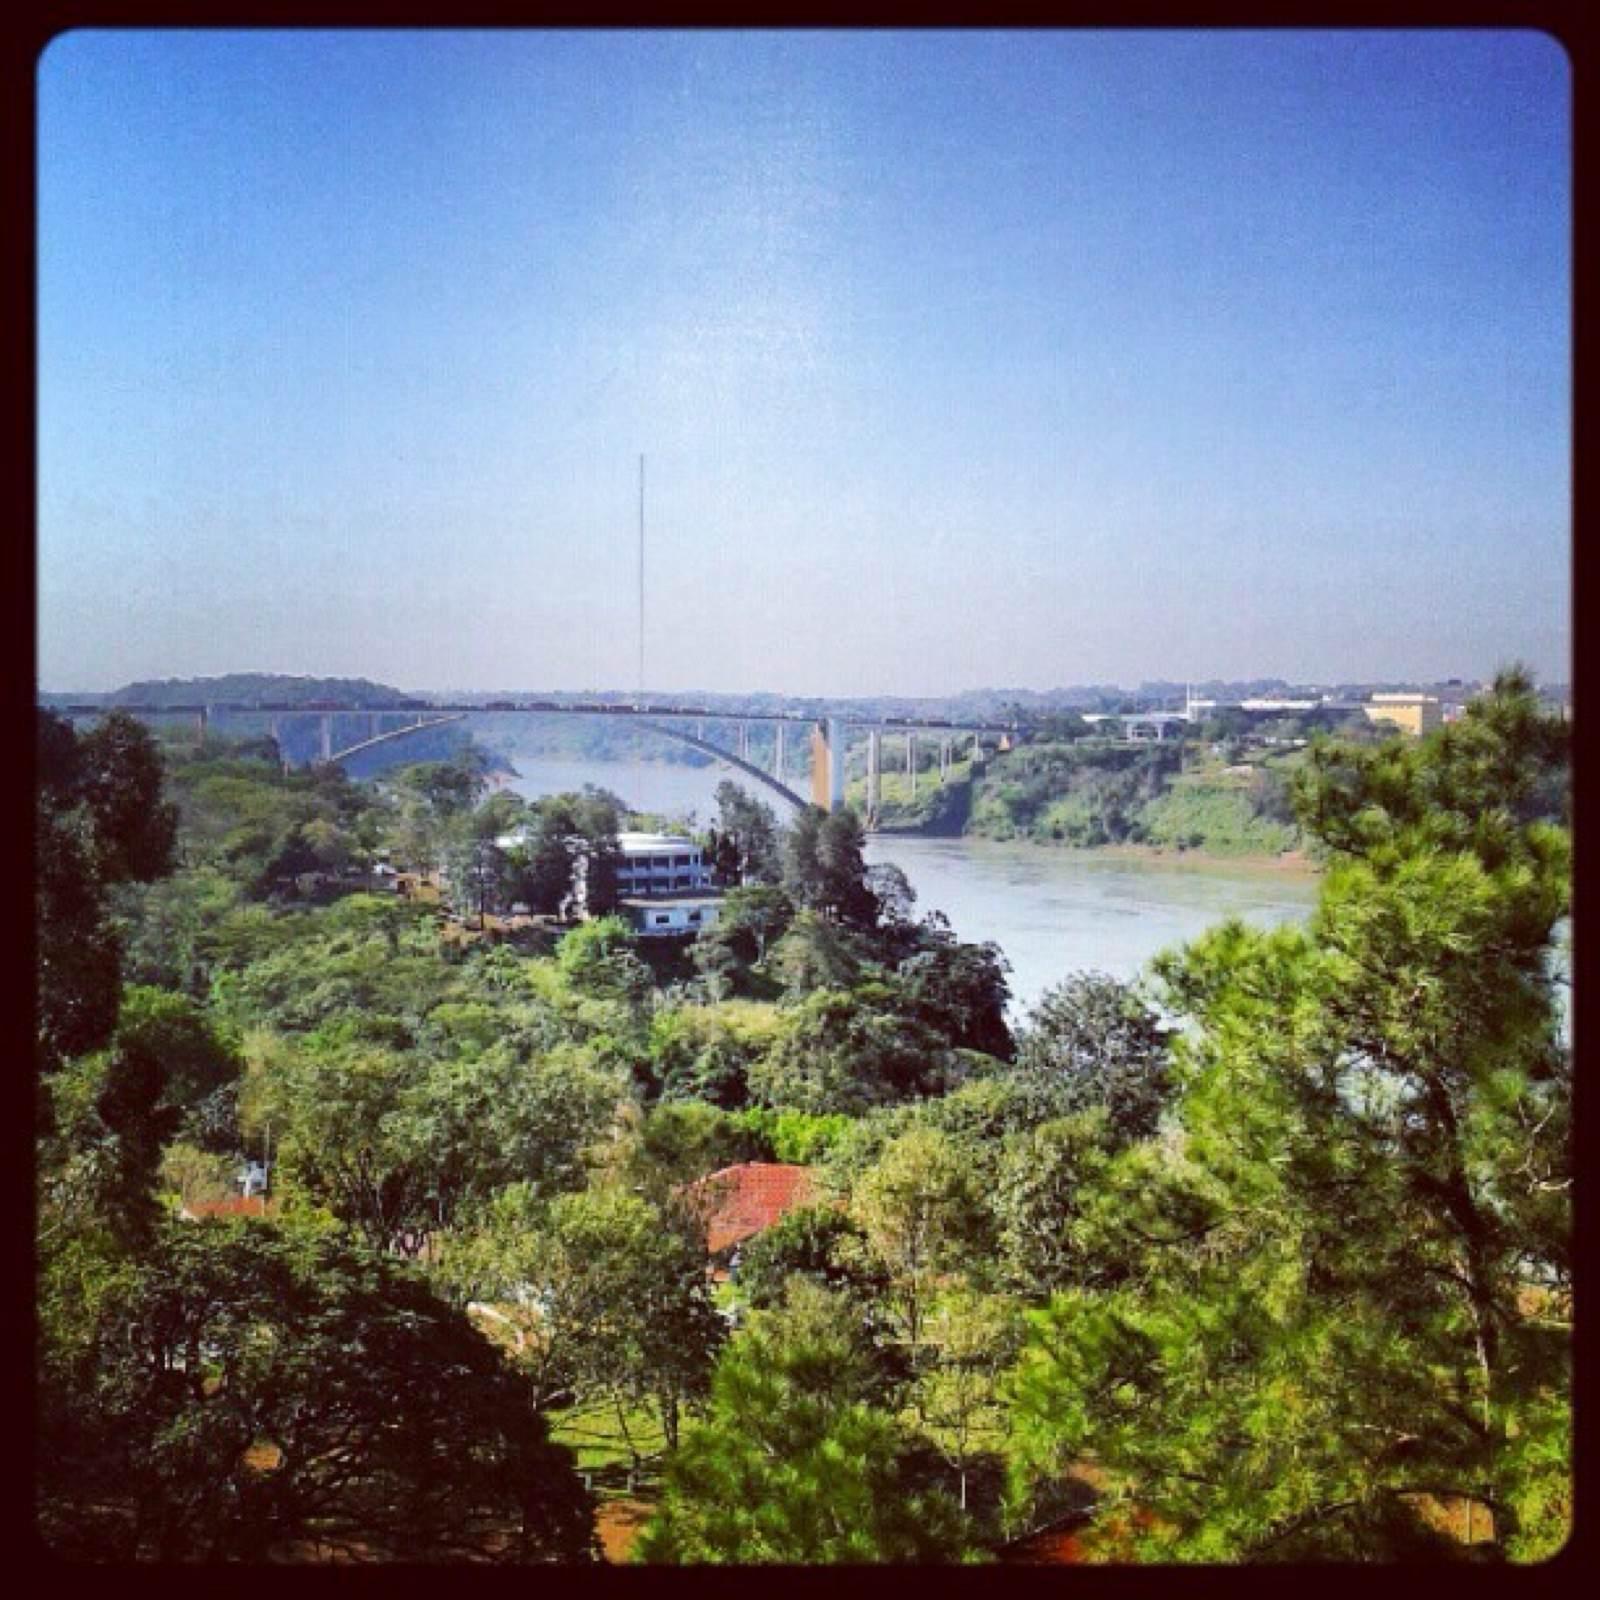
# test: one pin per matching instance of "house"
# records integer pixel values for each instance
(659, 864)
(739, 1202)
(675, 917)
(235, 1206)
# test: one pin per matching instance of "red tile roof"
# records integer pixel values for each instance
(743, 1200)
(237, 1206)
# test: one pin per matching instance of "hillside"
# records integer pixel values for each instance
(245, 687)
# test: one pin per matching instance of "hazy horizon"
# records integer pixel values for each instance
(959, 360)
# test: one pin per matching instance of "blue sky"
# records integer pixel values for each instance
(958, 359)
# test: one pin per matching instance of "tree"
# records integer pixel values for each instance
(1044, 1175)
(705, 1052)
(477, 870)
(923, 1212)
(749, 921)
(753, 831)
(961, 990)
(814, 954)
(617, 1304)
(1353, 1293)
(100, 820)
(792, 1465)
(849, 1051)
(344, 1119)
(597, 958)
(251, 1395)
(815, 1242)
(957, 1398)
(824, 869)
(1091, 1041)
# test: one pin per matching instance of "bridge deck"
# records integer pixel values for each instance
(538, 709)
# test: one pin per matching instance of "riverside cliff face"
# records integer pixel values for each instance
(1155, 800)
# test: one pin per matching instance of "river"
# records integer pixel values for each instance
(1052, 912)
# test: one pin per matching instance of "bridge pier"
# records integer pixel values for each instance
(874, 774)
(911, 762)
(777, 753)
(326, 726)
(836, 737)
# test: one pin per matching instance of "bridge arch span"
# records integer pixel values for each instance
(782, 790)
(396, 733)
(779, 788)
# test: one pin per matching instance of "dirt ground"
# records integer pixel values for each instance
(618, 1523)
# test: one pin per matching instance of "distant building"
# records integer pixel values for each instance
(1415, 714)
(675, 916)
(663, 884)
(660, 863)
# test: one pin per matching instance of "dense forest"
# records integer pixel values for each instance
(1265, 1257)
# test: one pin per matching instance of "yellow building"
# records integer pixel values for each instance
(1415, 714)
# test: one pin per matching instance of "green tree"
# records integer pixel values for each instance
(921, 1208)
(479, 874)
(99, 820)
(961, 990)
(1355, 1288)
(814, 954)
(752, 829)
(848, 1052)
(1045, 1175)
(749, 921)
(705, 1052)
(1091, 1041)
(250, 1395)
(957, 1400)
(792, 1465)
(824, 868)
(616, 1308)
(597, 958)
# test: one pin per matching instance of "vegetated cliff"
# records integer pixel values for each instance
(1087, 795)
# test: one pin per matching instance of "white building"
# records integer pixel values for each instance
(670, 916)
(660, 863)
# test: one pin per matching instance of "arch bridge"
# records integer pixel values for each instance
(829, 735)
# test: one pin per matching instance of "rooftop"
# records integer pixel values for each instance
(747, 1199)
(659, 902)
(655, 841)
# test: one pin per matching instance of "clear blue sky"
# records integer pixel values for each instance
(958, 359)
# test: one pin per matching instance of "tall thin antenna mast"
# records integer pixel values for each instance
(641, 581)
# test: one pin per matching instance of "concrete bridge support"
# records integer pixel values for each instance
(836, 737)
(777, 753)
(911, 762)
(325, 724)
(874, 773)
(819, 766)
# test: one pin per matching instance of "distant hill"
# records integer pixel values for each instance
(248, 686)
